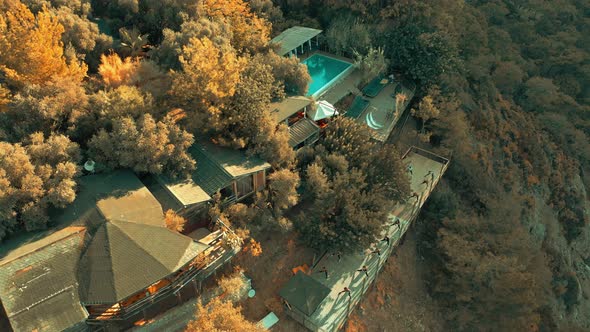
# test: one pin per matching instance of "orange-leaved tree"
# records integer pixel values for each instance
(174, 222)
(31, 50)
(116, 71)
(209, 77)
(250, 32)
(220, 316)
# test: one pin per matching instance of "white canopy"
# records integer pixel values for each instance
(323, 110)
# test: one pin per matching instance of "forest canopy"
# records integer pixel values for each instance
(502, 86)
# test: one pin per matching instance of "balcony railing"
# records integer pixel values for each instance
(207, 262)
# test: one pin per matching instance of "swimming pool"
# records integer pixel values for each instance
(324, 71)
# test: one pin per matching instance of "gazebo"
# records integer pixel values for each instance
(304, 294)
(293, 38)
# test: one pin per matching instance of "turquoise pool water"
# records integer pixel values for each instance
(323, 71)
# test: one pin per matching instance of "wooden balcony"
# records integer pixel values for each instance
(205, 264)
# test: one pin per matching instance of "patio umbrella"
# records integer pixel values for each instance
(323, 110)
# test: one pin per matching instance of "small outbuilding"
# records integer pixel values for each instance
(219, 169)
(304, 294)
(294, 39)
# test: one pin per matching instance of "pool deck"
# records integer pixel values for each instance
(376, 114)
(318, 95)
(333, 311)
(342, 86)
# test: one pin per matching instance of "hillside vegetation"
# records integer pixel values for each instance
(503, 89)
(506, 235)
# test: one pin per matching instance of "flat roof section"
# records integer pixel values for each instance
(302, 130)
(236, 163)
(186, 191)
(294, 37)
(304, 293)
(283, 109)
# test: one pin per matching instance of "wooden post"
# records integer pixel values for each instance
(195, 287)
(179, 297)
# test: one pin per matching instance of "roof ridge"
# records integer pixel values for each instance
(136, 244)
(110, 257)
(157, 227)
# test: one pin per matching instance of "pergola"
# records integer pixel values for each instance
(293, 38)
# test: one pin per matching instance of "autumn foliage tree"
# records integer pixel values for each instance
(173, 221)
(233, 285)
(209, 77)
(31, 50)
(250, 32)
(218, 315)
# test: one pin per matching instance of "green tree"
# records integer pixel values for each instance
(347, 34)
(370, 64)
(107, 107)
(542, 95)
(419, 54)
(282, 190)
(354, 183)
(288, 73)
(82, 34)
(55, 106)
(493, 255)
(508, 77)
(34, 177)
(144, 145)
(381, 165)
(244, 120)
(345, 216)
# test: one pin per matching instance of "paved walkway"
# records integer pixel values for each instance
(342, 88)
(335, 308)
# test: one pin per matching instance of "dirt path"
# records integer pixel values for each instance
(269, 272)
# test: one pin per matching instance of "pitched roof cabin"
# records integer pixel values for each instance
(111, 259)
(230, 172)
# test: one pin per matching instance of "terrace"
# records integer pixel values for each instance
(382, 111)
(317, 302)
